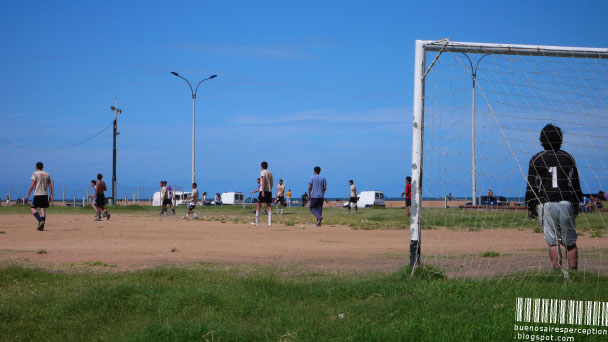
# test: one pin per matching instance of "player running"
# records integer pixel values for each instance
(100, 198)
(92, 197)
(552, 195)
(43, 194)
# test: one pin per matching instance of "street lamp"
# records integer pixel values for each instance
(474, 171)
(116, 111)
(193, 111)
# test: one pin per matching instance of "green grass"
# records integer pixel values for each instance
(210, 303)
(490, 254)
(368, 218)
(95, 264)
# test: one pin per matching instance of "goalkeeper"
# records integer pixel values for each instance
(553, 195)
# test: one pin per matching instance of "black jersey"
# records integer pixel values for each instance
(552, 177)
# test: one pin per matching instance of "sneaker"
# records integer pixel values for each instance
(173, 210)
(185, 217)
(255, 224)
(98, 219)
(40, 226)
(269, 224)
(108, 216)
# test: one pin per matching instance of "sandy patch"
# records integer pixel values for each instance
(132, 241)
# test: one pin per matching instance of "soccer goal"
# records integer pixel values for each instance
(478, 111)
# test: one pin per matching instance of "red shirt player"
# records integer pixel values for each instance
(408, 194)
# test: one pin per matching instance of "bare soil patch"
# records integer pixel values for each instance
(131, 241)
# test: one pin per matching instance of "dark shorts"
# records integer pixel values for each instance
(40, 201)
(281, 199)
(191, 206)
(408, 202)
(166, 201)
(267, 197)
(353, 199)
(100, 200)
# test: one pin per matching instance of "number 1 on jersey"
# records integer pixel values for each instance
(553, 171)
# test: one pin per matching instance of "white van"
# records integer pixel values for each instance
(370, 198)
(233, 198)
(180, 198)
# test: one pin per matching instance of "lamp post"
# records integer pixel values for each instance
(116, 111)
(194, 91)
(474, 170)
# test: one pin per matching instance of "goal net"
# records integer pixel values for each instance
(478, 113)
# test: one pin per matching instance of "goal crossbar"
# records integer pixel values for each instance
(515, 49)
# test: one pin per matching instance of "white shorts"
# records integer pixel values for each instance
(191, 206)
(558, 222)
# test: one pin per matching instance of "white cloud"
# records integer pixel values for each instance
(379, 116)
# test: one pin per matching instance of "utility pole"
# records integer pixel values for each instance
(116, 111)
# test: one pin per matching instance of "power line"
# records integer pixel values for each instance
(59, 148)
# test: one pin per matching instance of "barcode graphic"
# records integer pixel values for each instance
(560, 311)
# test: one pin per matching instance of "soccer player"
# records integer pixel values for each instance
(552, 195)
(193, 201)
(170, 197)
(316, 192)
(92, 197)
(43, 194)
(408, 194)
(265, 195)
(100, 198)
(258, 189)
(353, 195)
(280, 195)
(164, 198)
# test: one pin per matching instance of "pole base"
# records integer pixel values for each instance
(414, 252)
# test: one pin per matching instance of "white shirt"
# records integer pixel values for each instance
(194, 196)
(42, 179)
(266, 180)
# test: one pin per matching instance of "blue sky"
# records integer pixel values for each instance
(324, 83)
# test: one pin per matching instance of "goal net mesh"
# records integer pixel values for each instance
(516, 95)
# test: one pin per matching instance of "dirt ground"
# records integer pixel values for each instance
(131, 241)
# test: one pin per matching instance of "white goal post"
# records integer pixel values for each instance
(422, 69)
